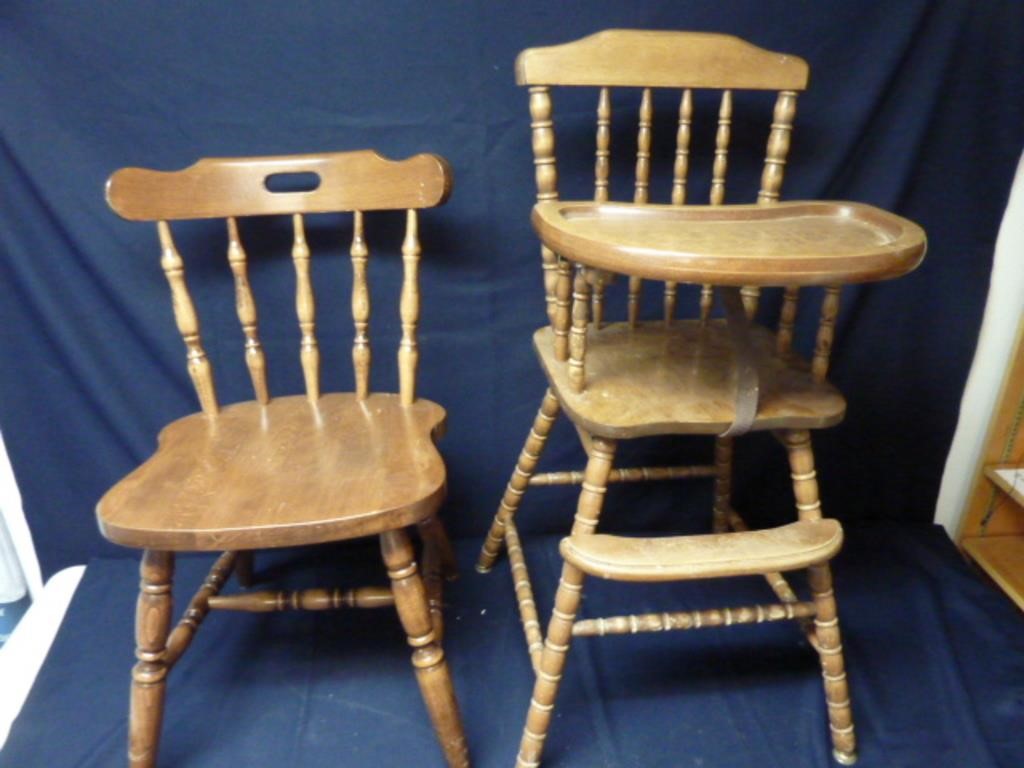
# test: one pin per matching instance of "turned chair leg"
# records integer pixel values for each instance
(428, 659)
(723, 485)
(520, 479)
(833, 669)
(828, 641)
(567, 601)
(149, 676)
(438, 563)
(434, 535)
(244, 567)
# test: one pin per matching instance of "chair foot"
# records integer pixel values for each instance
(844, 758)
(432, 672)
(519, 481)
(149, 675)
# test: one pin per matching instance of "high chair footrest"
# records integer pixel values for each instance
(676, 558)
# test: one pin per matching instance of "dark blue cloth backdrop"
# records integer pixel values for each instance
(914, 106)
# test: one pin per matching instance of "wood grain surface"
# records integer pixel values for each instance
(784, 244)
(284, 474)
(654, 380)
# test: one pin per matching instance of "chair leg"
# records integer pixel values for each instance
(833, 670)
(723, 484)
(828, 641)
(567, 601)
(520, 479)
(437, 563)
(434, 535)
(244, 568)
(149, 676)
(428, 658)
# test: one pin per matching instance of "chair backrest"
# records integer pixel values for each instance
(229, 188)
(646, 60)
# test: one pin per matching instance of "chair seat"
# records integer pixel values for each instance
(283, 474)
(675, 558)
(681, 379)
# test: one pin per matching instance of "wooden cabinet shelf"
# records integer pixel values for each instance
(1002, 558)
(992, 532)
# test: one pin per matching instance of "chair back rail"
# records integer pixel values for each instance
(644, 60)
(230, 188)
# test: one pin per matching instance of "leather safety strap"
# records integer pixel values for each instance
(747, 383)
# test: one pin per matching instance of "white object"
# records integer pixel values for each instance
(24, 653)
(13, 518)
(1003, 311)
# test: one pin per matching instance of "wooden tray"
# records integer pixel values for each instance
(792, 243)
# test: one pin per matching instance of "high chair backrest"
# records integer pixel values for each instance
(641, 59)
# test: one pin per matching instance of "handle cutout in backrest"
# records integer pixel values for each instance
(294, 181)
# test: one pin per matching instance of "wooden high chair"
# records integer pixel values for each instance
(290, 470)
(702, 376)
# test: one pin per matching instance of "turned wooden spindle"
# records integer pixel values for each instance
(723, 484)
(826, 333)
(680, 171)
(245, 306)
(722, 137)
(199, 606)
(269, 601)
(409, 307)
(626, 475)
(641, 187)
(149, 675)
(602, 161)
(557, 279)
(805, 480)
(718, 170)
(187, 321)
(602, 169)
(428, 658)
(829, 645)
(826, 636)
(546, 173)
(683, 620)
(305, 308)
(578, 337)
(787, 321)
(563, 307)
(771, 186)
(360, 308)
(567, 601)
(524, 469)
(778, 147)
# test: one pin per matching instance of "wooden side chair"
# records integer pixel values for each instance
(289, 470)
(704, 375)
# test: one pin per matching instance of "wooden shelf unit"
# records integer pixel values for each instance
(992, 530)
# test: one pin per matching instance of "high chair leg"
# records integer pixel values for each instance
(827, 639)
(567, 601)
(833, 669)
(517, 484)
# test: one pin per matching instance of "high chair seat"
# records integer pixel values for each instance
(681, 379)
(675, 558)
(284, 474)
